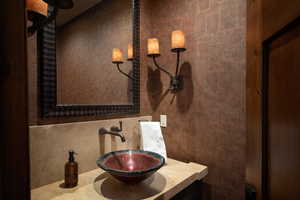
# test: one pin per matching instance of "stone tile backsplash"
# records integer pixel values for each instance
(49, 145)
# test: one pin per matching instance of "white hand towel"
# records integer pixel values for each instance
(152, 138)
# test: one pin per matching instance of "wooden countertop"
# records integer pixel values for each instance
(98, 185)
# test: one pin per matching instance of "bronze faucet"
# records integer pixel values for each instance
(116, 131)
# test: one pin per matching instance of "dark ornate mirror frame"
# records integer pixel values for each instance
(48, 107)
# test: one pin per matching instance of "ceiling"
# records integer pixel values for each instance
(80, 6)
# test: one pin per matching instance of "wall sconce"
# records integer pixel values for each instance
(117, 58)
(38, 12)
(178, 46)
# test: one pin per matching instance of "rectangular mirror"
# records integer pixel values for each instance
(77, 76)
(85, 37)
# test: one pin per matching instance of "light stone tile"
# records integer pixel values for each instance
(49, 145)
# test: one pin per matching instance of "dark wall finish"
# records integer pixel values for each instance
(206, 121)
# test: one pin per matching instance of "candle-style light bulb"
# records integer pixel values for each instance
(117, 56)
(153, 46)
(178, 40)
(130, 52)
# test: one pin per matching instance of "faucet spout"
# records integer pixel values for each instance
(103, 131)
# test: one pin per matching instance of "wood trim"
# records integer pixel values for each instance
(264, 119)
(14, 137)
(1, 179)
(277, 14)
(253, 95)
(48, 107)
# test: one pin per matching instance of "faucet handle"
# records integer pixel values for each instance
(121, 125)
(117, 129)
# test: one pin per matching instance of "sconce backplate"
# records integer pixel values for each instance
(176, 84)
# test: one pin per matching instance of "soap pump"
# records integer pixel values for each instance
(71, 171)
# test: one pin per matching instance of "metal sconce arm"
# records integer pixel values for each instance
(178, 61)
(160, 68)
(130, 77)
(176, 81)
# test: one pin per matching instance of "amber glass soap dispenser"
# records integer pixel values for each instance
(71, 171)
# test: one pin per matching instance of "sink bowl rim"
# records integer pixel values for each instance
(102, 158)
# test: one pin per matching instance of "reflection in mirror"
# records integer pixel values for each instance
(85, 37)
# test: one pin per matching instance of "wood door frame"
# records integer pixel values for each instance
(257, 37)
(265, 88)
(14, 133)
(253, 96)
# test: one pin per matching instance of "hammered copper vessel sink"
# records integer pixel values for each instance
(131, 166)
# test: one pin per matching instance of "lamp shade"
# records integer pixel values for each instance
(38, 6)
(178, 40)
(153, 46)
(130, 52)
(117, 56)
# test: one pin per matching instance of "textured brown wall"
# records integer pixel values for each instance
(84, 47)
(206, 121)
